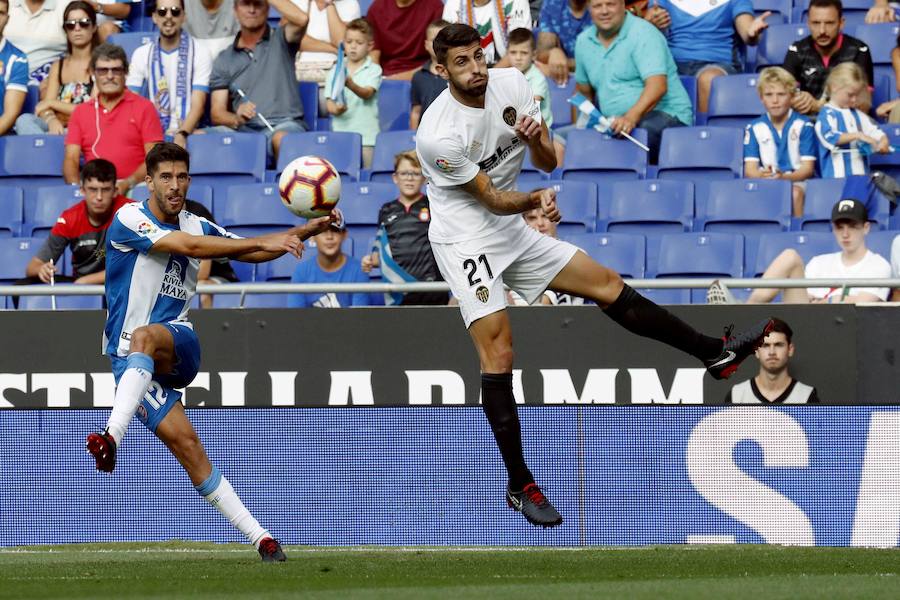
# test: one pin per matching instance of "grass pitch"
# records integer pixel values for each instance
(195, 570)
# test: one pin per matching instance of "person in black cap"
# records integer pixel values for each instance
(850, 224)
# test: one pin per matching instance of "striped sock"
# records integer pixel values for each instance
(131, 389)
(218, 492)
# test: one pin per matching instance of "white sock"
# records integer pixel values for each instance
(218, 491)
(131, 389)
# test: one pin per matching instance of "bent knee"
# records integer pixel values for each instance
(142, 340)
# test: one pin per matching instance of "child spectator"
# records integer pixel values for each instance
(356, 107)
(781, 144)
(426, 83)
(521, 56)
(846, 134)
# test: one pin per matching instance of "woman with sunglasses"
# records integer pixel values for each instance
(69, 82)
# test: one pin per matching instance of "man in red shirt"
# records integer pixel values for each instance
(118, 125)
(81, 228)
(399, 27)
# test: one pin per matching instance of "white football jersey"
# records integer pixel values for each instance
(455, 141)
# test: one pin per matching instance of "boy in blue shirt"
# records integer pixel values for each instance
(331, 265)
(781, 144)
(13, 76)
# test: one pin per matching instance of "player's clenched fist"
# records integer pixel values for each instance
(528, 129)
(548, 205)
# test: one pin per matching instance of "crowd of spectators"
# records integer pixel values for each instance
(225, 65)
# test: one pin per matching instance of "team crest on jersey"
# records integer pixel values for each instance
(795, 135)
(509, 116)
(146, 228)
(482, 293)
(443, 164)
(424, 215)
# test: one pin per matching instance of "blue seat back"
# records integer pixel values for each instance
(309, 98)
(880, 242)
(881, 38)
(806, 243)
(360, 202)
(741, 205)
(775, 41)
(559, 105)
(734, 101)
(49, 202)
(821, 196)
(701, 255)
(255, 209)
(577, 201)
(342, 149)
(621, 252)
(131, 41)
(690, 86)
(389, 144)
(595, 153)
(32, 155)
(11, 211)
(703, 150)
(663, 205)
(394, 104)
(15, 254)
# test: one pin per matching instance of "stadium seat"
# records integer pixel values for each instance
(11, 211)
(31, 99)
(734, 101)
(806, 243)
(622, 252)
(651, 205)
(309, 98)
(15, 254)
(577, 202)
(880, 242)
(885, 88)
(266, 300)
(775, 41)
(131, 41)
(41, 215)
(690, 85)
(255, 209)
(388, 144)
(224, 159)
(594, 156)
(394, 104)
(559, 101)
(889, 163)
(881, 39)
(360, 203)
(342, 149)
(743, 205)
(821, 195)
(31, 161)
(781, 9)
(701, 153)
(94, 302)
(700, 255)
(530, 176)
(199, 192)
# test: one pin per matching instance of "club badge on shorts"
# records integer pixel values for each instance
(482, 293)
(509, 116)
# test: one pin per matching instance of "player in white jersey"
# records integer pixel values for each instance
(153, 254)
(471, 143)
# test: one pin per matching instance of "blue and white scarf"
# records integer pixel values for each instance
(172, 109)
(338, 77)
(391, 272)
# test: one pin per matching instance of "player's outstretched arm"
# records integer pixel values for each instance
(501, 202)
(208, 246)
(304, 232)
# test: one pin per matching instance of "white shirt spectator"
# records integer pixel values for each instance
(139, 70)
(39, 35)
(318, 27)
(830, 266)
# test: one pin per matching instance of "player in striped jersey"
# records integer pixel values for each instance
(153, 254)
(846, 134)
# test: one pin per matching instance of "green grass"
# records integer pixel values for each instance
(195, 570)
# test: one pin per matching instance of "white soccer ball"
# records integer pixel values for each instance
(310, 186)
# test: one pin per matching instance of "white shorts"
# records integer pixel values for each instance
(520, 257)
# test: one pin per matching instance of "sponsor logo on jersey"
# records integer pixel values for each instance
(497, 157)
(443, 165)
(509, 116)
(482, 293)
(172, 284)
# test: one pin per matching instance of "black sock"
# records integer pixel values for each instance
(500, 408)
(641, 316)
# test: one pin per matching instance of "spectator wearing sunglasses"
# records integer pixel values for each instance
(36, 28)
(69, 83)
(175, 71)
(14, 73)
(117, 125)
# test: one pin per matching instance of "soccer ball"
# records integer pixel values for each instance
(310, 187)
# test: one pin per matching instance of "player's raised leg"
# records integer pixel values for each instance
(492, 336)
(180, 437)
(585, 277)
(152, 350)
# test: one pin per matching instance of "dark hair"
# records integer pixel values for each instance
(99, 169)
(360, 25)
(456, 35)
(92, 15)
(166, 152)
(520, 35)
(779, 326)
(107, 51)
(836, 4)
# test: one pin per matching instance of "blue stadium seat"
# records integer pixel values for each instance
(775, 41)
(559, 105)
(31, 99)
(734, 101)
(31, 161)
(15, 254)
(881, 39)
(700, 255)
(309, 98)
(394, 104)
(342, 149)
(49, 202)
(593, 156)
(199, 192)
(360, 203)
(364, 6)
(885, 87)
(622, 252)
(11, 211)
(94, 302)
(577, 202)
(889, 163)
(280, 269)
(821, 195)
(255, 209)
(744, 205)
(701, 153)
(389, 144)
(880, 242)
(266, 301)
(131, 41)
(782, 10)
(806, 243)
(530, 176)
(690, 85)
(224, 159)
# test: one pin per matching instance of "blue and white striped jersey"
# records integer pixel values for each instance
(840, 161)
(144, 287)
(785, 151)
